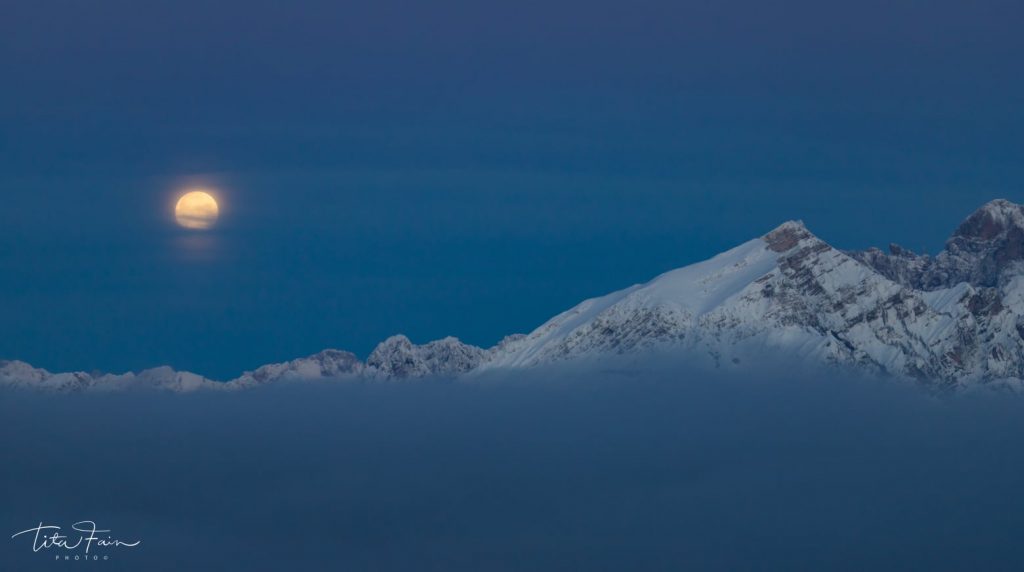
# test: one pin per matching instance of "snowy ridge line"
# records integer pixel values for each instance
(951, 322)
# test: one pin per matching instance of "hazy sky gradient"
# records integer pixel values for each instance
(460, 168)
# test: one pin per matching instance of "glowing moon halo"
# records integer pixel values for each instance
(196, 210)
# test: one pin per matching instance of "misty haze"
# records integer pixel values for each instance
(603, 472)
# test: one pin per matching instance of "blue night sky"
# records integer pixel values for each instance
(460, 168)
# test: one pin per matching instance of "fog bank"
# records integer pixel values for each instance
(603, 472)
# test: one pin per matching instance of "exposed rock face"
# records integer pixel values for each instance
(900, 265)
(951, 321)
(786, 236)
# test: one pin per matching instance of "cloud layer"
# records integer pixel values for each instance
(610, 472)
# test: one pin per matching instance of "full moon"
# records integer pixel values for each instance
(196, 210)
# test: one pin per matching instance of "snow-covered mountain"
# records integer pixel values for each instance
(951, 321)
(22, 375)
(328, 364)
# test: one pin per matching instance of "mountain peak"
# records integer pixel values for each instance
(787, 235)
(993, 220)
(987, 247)
(325, 364)
(398, 357)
